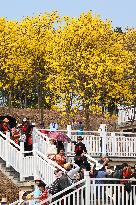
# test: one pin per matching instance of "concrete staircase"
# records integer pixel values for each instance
(13, 176)
(9, 172)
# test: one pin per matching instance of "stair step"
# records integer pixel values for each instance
(2, 166)
(1, 160)
(10, 172)
(29, 178)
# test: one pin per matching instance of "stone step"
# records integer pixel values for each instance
(14, 176)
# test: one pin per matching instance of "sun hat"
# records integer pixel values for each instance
(4, 199)
(6, 120)
(24, 119)
(37, 178)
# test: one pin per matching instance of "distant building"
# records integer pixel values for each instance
(127, 118)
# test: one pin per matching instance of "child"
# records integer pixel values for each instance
(36, 193)
(44, 192)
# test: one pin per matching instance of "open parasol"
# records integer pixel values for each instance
(59, 136)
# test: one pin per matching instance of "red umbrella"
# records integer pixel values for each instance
(59, 136)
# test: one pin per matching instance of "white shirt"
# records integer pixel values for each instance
(53, 126)
(73, 171)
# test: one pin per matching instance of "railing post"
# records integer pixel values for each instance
(68, 145)
(103, 136)
(35, 149)
(88, 188)
(113, 143)
(21, 164)
(34, 135)
(7, 149)
(69, 131)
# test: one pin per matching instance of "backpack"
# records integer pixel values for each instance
(117, 174)
(64, 182)
(128, 187)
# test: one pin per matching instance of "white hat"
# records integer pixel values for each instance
(4, 199)
(98, 166)
(37, 178)
(24, 120)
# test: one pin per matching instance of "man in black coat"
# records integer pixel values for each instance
(79, 150)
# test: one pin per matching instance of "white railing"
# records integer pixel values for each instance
(121, 144)
(113, 144)
(9, 151)
(41, 139)
(3, 141)
(44, 167)
(94, 192)
(92, 141)
(36, 163)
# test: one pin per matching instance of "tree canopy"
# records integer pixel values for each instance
(54, 62)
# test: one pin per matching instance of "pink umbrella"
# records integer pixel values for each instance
(59, 136)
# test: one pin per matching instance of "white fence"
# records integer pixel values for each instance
(10, 151)
(35, 164)
(114, 144)
(99, 142)
(94, 192)
(42, 141)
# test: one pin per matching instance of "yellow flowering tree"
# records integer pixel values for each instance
(90, 64)
(67, 63)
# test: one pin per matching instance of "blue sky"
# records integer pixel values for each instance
(121, 12)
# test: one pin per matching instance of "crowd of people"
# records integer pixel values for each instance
(19, 132)
(74, 172)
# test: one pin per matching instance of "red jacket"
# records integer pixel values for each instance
(44, 196)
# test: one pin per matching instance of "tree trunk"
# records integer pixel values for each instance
(68, 109)
(41, 114)
(10, 101)
(25, 101)
(87, 114)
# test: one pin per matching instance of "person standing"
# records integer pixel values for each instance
(53, 126)
(5, 126)
(80, 128)
(80, 149)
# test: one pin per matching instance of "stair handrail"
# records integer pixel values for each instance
(82, 182)
(10, 140)
(16, 202)
(53, 196)
(3, 135)
(63, 191)
(15, 144)
(42, 134)
(51, 162)
(98, 165)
